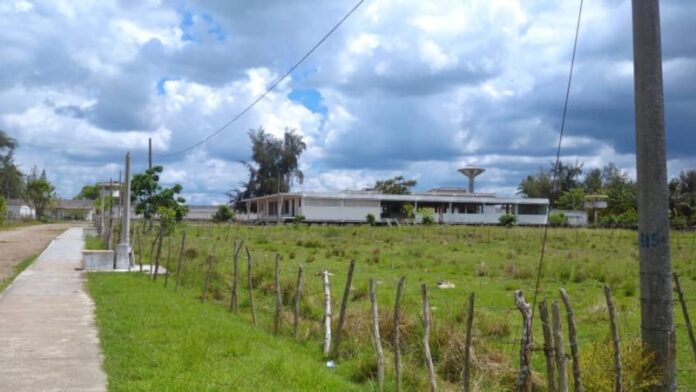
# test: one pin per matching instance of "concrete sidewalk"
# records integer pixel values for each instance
(48, 339)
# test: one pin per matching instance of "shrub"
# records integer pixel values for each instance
(371, 219)
(3, 209)
(297, 219)
(508, 220)
(558, 219)
(223, 214)
(427, 215)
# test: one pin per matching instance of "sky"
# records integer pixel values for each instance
(412, 88)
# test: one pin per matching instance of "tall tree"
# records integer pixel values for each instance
(682, 197)
(395, 186)
(11, 178)
(88, 192)
(593, 181)
(537, 185)
(40, 194)
(275, 163)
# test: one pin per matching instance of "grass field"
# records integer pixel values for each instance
(491, 261)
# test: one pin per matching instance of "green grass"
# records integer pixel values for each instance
(491, 261)
(93, 242)
(21, 266)
(17, 224)
(155, 339)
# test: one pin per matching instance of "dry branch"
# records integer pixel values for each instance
(560, 348)
(618, 385)
(298, 298)
(548, 346)
(685, 311)
(234, 301)
(572, 340)
(179, 264)
(342, 312)
(524, 380)
(279, 297)
(375, 335)
(396, 332)
(426, 339)
(251, 287)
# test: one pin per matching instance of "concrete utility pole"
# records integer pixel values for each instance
(123, 250)
(657, 326)
(149, 153)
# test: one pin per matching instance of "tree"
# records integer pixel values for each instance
(275, 165)
(395, 186)
(11, 178)
(593, 181)
(40, 194)
(682, 198)
(223, 214)
(541, 184)
(149, 196)
(88, 192)
(572, 199)
(538, 185)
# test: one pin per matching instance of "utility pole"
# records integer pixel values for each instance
(149, 153)
(657, 325)
(123, 249)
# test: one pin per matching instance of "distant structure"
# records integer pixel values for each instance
(447, 205)
(471, 172)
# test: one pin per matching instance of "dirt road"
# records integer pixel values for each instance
(18, 244)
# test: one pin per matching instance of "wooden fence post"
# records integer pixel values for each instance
(375, 335)
(426, 339)
(179, 264)
(467, 349)
(298, 298)
(159, 252)
(234, 300)
(560, 348)
(396, 333)
(169, 255)
(548, 346)
(342, 312)
(524, 380)
(572, 341)
(279, 297)
(687, 320)
(208, 273)
(251, 287)
(327, 313)
(140, 249)
(618, 385)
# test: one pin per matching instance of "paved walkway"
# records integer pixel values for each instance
(48, 339)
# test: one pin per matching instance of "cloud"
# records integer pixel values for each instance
(403, 87)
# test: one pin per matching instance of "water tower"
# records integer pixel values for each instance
(471, 172)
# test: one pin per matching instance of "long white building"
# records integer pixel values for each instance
(450, 205)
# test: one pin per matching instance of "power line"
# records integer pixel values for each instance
(269, 88)
(558, 158)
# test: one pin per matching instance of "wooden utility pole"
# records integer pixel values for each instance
(657, 325)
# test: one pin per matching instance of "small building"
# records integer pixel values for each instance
(73, 210)
(576, 218)
(20, 210)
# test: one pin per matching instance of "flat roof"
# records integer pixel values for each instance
(419, 197)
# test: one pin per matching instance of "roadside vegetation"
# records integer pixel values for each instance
(94, 242)
(491, 261)
(158, 340)
(24, 264)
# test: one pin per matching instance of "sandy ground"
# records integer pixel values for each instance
(18, 244)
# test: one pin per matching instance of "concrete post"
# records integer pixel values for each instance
(657, 326)
(123, 249)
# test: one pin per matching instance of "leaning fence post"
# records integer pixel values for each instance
(548, 346)
(467, 348)
(524, 380)
(396, 333)
(279, 298)
(618, 385)
(235, 276)
(169, 255)
(375, 335)
(687, 320)
(251, 287)
(180, 262)
(298, 298)
(342, 312)
(572, 341)
(327, 313)
(560, 348)
(426, 339)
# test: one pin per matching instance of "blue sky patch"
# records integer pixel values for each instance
(309, 98)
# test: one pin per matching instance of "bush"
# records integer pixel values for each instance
(223, 214)
(558, 219)
(371, 219)
(427, 215)
(3, 209)
(297, 219)
(508, 220)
